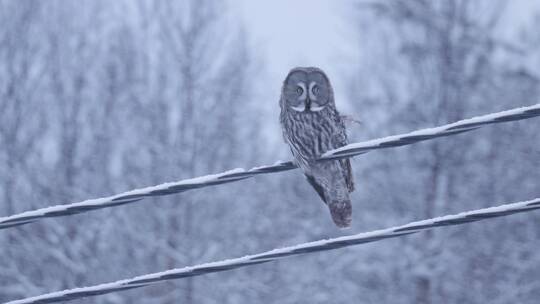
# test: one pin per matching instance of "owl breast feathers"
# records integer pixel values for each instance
(311, 126)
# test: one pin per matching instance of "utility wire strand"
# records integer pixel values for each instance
(239, 174)
(311, 247)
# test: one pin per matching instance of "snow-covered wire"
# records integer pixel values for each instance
(239, 174)
(311, 247)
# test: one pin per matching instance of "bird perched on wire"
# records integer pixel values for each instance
(311, 126)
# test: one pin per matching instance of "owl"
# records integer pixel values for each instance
(311, 126)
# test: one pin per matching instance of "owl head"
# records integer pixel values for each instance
(306, 90)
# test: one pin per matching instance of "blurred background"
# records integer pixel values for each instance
(99, 97)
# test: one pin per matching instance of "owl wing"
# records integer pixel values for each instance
(340, 140)
(347, 173)
(316, 186)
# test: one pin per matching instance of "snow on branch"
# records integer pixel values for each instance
(239, 174)
(311, 247)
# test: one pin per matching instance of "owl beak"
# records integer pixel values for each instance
(312, 107)
(308, 104)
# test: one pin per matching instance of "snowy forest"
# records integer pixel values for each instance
(99, 97)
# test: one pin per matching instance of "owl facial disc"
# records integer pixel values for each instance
(307, 98)
(306, 90)
(301, 89)
(313, 91)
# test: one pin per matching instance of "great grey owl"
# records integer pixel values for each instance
(311, 126)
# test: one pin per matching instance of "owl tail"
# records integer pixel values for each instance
(337, 200)
(341, 212)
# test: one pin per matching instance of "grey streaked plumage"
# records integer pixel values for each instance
(311, 126)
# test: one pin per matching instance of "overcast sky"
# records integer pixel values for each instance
(298, 32)
(314, 32)
(295, 33)
(289, 33)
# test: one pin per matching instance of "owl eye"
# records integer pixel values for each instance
(299, 90)
(315, 89)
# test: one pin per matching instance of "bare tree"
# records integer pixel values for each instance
(442, 65)
(127, 100)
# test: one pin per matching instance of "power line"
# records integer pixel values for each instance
(311, 247)
(240, 174)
